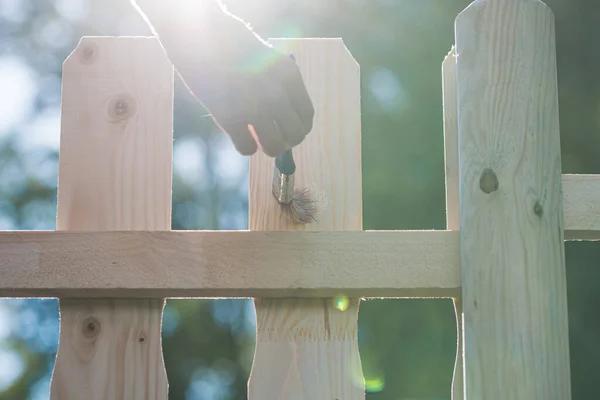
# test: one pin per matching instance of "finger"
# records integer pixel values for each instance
(300, 99)
(240, 136)
(288, 122)
(269, 136)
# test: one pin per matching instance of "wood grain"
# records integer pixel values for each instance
(308, 348)
(329, 159)
(229, 264)
(114, 174)
(451, 141)
(452, 197)
(511, 216)
(246, 264)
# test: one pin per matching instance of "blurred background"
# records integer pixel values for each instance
(407, 346)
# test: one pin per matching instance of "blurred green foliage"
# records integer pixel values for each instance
(407, 346)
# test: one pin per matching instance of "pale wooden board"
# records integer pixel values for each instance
(329, 159)
(307, 348)
(229, 264)
(581, 202)
(114, 174)
(451, 141)
(514, 299)
(452, 196)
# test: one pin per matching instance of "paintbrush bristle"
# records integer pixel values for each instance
(303, 208)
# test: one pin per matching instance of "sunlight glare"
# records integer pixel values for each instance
(9, 375)
(341, 303)
(187, 13)
(17, 92)
(374, 385)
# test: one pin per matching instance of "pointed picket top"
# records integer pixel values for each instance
(332, 78)
(516, 339)
(115, 171)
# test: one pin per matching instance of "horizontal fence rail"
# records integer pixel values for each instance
(250, 263)
(229, 264)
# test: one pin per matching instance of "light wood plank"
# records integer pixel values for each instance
(335, 177)
(451, 140)
(115, 174)
(452, 197)
(581, 202)
(308, 348)
(229, 264)
(511, 215)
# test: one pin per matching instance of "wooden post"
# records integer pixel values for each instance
(115, 174)
(452, 198)
(511, 213)
(307, 348)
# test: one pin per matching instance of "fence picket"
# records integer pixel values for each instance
(307, 348)
(114, 174)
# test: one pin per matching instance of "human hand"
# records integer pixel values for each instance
(261, 98)
(253, 92)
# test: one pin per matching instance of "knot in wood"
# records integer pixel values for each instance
(90, 327)
(488, 182)
(538, 209)
(121, 108)
(88, 53)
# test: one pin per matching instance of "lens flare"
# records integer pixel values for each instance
(374, 385)
(341, 303)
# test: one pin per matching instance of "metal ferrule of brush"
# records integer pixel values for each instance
(283, 177)
(283, 186)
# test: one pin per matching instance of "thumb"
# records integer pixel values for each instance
(240, 135)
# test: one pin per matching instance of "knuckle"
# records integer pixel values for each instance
(269, 152)
(246, 151)
(308, 126)
(273, 149)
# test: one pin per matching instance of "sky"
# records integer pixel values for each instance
(18, 90)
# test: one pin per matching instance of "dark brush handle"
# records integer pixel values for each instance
(285, 161)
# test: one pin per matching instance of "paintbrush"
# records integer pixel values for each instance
(298, 205)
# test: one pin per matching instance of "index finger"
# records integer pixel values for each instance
(299, 98)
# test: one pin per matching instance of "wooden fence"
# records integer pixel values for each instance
(113, 258)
